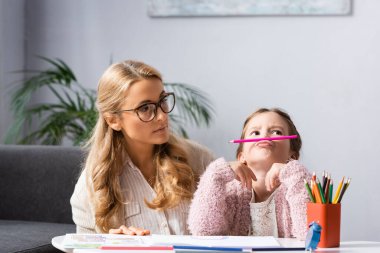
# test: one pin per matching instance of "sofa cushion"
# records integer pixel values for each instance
(36, 182)
(27, 236)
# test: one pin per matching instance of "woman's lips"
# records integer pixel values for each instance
(161, 129)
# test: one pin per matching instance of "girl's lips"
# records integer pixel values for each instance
(264, 144)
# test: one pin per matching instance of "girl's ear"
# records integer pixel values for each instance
(292, 155)
(113, 121)
(241, 158)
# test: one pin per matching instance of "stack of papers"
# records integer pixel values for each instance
(93, 241)
(168, 242)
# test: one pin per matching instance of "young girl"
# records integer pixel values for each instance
(276, 205)
(137, 174)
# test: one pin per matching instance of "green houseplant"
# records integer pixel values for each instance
(74, 114)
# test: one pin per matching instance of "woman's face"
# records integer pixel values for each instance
(267, 124)
(134, 129)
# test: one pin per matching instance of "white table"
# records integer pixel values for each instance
(349, 247)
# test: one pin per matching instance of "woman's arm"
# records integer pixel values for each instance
(80, 205)
(209, 211)
(291, 178)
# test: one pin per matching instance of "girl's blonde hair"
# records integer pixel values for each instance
(295, 144)
(106, 152)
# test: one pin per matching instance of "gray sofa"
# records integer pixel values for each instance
(36, 183)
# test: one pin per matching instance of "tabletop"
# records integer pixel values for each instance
(349, 246)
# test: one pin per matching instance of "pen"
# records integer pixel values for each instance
(279, 249)
(285, 137)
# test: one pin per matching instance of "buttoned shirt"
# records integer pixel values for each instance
(135, 188)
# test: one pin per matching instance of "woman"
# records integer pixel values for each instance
(137, 175)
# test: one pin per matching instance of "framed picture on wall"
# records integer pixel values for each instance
(188, 8)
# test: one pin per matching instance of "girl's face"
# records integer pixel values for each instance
(267, 124)
(135, 130)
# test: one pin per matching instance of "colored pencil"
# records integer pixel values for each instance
(331, 191)
(285, 137)
(314, 189)
(321, 192)
(344, 190)
(327, 188)
(316, 193)
(324, 177)
(309, 191)
(142, 248)
(338, 191)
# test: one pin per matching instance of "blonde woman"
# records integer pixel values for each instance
(138, 178)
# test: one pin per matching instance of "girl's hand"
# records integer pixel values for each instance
(129, 230)
(243, 173)
(272, 179)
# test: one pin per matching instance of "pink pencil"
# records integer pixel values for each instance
(285, 137)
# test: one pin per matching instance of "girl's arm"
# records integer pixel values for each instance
(291, 177)
(209, 212)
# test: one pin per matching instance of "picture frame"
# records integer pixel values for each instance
(199, 8)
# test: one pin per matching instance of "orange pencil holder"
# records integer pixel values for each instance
(328, 217)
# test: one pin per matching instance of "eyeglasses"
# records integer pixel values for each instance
(147, 112)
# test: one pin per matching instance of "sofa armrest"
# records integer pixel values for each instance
(36, 182)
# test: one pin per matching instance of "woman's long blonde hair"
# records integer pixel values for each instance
(106, 149)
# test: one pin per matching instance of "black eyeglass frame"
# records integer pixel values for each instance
(158, 104)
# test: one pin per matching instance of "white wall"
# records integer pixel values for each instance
(323, 70)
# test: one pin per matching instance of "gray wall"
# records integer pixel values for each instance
(12, 54)
(323, 70)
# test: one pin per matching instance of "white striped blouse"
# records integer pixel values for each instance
(135, 213)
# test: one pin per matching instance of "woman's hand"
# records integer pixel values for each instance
(129, 230)
(272, 179)
(243, 173)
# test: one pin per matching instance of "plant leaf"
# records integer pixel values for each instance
(73, 115)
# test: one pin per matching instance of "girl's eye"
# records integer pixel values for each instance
(276, 132)
(255, 133)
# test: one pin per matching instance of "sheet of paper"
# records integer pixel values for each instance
(217, 241)
(92, 241)
(98, 240)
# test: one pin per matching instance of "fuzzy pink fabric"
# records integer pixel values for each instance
(221, 205)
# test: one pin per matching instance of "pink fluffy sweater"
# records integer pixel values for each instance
(221, 204)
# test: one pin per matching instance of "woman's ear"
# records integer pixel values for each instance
(241, 158)
(113, 121)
